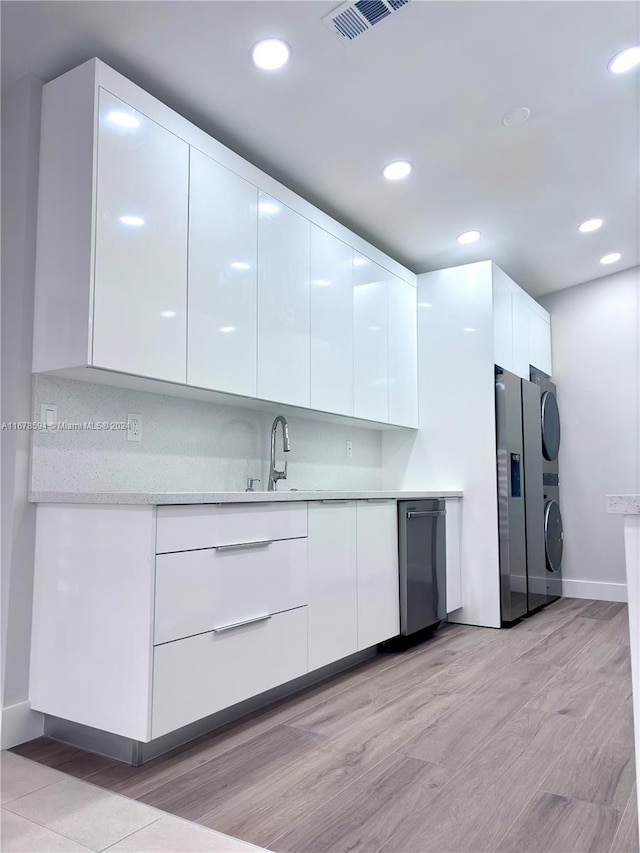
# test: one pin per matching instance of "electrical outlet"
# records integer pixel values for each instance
(349, 449)
(134, 427)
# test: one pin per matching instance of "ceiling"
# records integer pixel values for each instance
(430, 84)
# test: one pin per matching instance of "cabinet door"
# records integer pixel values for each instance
(140, 287)
(333, 592)
(201, 675)
(283, 304)
(331, 323)
(378, 577)
(454, 567)
(370, 367)
(223, 238)
(403, 352)
(520, 335)
(540, 343)
(502, 320)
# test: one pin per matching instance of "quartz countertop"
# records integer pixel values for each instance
(229, 497)
(623, 504)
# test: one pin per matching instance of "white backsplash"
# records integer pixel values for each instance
(187, 445)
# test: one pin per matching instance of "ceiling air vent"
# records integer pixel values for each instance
(351, 20)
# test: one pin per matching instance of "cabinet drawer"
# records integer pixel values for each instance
(198, 676)
(184, 528)
(198, 591)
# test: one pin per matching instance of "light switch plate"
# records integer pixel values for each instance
(349, 449)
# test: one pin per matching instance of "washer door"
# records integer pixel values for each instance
(550, 417)
(553, 536)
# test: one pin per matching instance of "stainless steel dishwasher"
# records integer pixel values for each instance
(423, 570)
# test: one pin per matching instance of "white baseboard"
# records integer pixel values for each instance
(20, 724)
(594, 589)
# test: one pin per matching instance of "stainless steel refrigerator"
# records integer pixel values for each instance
(527, 579)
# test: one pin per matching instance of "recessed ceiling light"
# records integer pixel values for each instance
(425, 305)
(360, 262)
(227, 329)
(132, 220)
(516, 117)
(241, 265)
(626, 60)
(270, 54)
(321, 282)
(373, 328)
(167, 313)
(468, 237)
(268, 207)
(468, 329)
(397, 170)
(123, 119)
(611, 259)
(590, 225)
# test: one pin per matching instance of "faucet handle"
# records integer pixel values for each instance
(250, 482)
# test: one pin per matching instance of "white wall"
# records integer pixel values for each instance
(20, 144)
(188, 445)
(596, 362)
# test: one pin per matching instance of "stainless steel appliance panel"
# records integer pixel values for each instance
(534, 502)
(551, 438)
(421, 528)
(511, 491)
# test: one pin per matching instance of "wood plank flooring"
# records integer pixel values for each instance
(513, 741)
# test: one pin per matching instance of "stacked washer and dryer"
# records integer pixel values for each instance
(529, 519)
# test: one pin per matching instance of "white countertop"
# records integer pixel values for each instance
(227, 497)
(623, 504)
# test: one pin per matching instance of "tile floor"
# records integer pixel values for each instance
(46, 811)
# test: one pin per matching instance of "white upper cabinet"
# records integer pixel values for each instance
(331, 323)
(520, 318)
(223, 257)
(370, 365)
(403, 352)
(540, 343)
(163, 255)
(283, 303)
(502, 319)
(521, 328)
(140, 288)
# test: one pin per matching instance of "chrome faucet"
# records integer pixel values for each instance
(274, 474)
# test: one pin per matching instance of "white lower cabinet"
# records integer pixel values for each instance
(202, 607)
(213, 588)
(200, 675)
(333, 586)
(454, 566)
(378, 578)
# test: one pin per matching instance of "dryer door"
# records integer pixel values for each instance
(553, 536)
(550, 417)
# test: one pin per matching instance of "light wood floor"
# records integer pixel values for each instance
(518, 741)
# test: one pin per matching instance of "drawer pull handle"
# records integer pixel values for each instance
(240, 624)
(262, 544)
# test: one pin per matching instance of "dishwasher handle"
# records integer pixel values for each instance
(425, 514)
